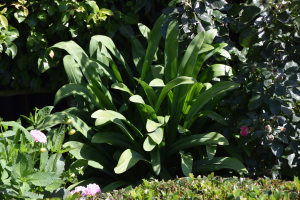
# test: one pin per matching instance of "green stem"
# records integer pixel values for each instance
(55, 139)
(58, 148)
(32, 159)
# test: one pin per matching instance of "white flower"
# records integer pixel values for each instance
(146, 191)
(268, 128)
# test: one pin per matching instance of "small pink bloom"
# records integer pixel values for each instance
(93, 189)
(245, 128)
(38, 136)
(81, 189)
(244, 131)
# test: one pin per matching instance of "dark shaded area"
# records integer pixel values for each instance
(13, 106)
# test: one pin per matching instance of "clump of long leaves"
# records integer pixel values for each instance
(161, 116)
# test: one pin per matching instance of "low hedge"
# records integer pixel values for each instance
(208, 188)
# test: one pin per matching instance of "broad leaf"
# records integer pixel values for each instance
(127, 160)
(186, 163)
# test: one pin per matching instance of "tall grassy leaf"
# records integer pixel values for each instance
(155, 160)
(197, 140)
(138, 54)
(171, 51)
(176, 82)
(219, 163)
(214, 71)
(189, 59)
(206, 97)
(149, 92)
(82, 59)
(112, 138)
(152, 45)
(75, 89)
(186, 162)
(109, 44)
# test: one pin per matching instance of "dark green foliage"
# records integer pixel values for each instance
(267, 67)
(44, 23)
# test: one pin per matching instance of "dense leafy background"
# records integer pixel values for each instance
(44, 23)
(263, 44)
(263, 38)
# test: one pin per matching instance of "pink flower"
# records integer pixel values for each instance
(80, 189)
(93, 189)
(38, 136)
(244, 131)
(90, 190)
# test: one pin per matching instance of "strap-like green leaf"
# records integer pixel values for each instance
(210, 36)
(82, 59)
(214, 71)
(149, 92)
(145, 31)
(196, 140)
(171, 51)
(213, 115)
(186, 162)
(177, 81)
(155, 160)
(122, 87)
(207, 96)
(112, 138)
(75, 89)
(211, 150)
(219, 163)
(192, 96)
(189, 59)
(152, 45)
(109, 44)
(138, 54)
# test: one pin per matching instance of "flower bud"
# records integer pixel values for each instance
(42, 150)
(268, 128)
(271, 137)
(73, 175)
(71, 132)
(68, 121)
